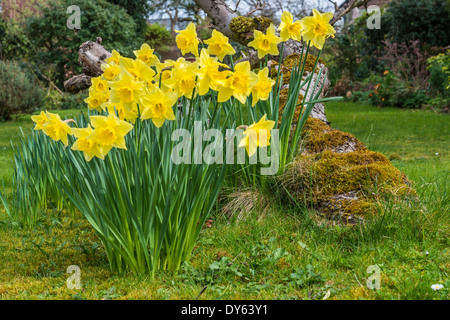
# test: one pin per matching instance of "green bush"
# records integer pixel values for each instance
(54, 100)
(57, 45)
(389, 91)
(439, 68)
(157, 35)
(423, 20)
(19, 93)
(14, 42)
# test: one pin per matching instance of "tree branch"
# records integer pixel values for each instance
(346, 7)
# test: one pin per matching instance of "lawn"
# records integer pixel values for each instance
(277, 253)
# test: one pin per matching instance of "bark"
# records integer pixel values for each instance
(220, 14)
(91, 56)
(77, 83)
(346, 7)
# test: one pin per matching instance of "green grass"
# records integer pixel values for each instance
(280, 253)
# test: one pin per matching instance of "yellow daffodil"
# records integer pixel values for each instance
(262, 89)
(126, 89)
(265, 43)
(187, 40)
(115, 56)
(169, 64)
(139, 70)
(317, 28)
(238, 84)
(40, 120)
(129, 113)
(208, 72)
(96, 99)
(98, 84)
(57, 129)
(183, 80)
(218, 45)
(157, 105)
(110, 71)
(109, 132)
(145, 53)
(165, 71)
(257, 135)
(290, 29)
(87, 145)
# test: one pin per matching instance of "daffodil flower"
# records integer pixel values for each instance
(219, 46)
(110, 71)
(261, 90)
(57, 129)
(115, 56)
(265, 43)
(87, 145)
(126, 89)
(208, 73)
(187, 40)
(96, 99)
(317, 28)
(40, 120)
(98, 84)
(157, 105)
(183, 80)
(109, 132)
(238, 84)
(138, 69)
(257, 135)
(128, 113)
(289, 29)
(146, 55)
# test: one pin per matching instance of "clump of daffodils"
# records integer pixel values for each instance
(150, 89)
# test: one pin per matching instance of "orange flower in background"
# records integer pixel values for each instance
(385, 72)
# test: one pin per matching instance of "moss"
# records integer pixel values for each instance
(345, 184)
(242, 27)
(292, 61)
(318, 136)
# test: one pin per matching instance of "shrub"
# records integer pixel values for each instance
(14, 42)
(390, 90)
(439, 68)
(54, 100)
(156, 35)
(423, 20)
(19, 93)
(57, 45)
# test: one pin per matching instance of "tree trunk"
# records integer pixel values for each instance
(91, 55)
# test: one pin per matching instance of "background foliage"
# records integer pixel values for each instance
(56, 45)
(19, 92)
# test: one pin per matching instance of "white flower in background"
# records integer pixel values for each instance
(437, 287)
(426, 252)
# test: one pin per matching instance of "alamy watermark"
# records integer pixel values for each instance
(74, 20)
(374, 281)
(74, 281)
(189, 149)
(374, 19)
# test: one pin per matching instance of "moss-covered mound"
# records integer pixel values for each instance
(242, 27)
(318, 137)
(342, 186)
(336, 174)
